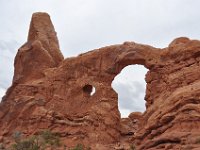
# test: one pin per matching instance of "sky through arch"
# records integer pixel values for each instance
(130, 85)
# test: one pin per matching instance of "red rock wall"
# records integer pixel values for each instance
(172, 120)
(49, 92)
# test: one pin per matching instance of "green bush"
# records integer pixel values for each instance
(78, 147)
(42, 141)
(50, 138)
(38, 142)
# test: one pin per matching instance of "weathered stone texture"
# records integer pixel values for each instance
(50, 92)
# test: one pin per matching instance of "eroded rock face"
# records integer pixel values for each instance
(40, 52)
(49, 92)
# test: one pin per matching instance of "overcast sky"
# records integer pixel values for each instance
(84, 25)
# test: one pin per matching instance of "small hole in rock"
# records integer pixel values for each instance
(89, 89)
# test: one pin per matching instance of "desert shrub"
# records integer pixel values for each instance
(37, 142)
(29, 144)
(50, 138)
(78, 147)
(132, 147)
(17, 136)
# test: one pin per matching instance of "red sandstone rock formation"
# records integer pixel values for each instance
(49, 92)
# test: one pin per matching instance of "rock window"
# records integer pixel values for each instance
(130, 86)
(89, 89)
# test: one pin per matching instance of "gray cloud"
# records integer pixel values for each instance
(130, 96)
(130, 85)
(2, 92)
(8, 50)
(83, 25)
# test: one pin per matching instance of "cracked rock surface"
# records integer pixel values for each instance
(50, 92)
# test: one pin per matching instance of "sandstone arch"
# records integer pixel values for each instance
(49, 96)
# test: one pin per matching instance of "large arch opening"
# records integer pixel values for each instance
(131, 86)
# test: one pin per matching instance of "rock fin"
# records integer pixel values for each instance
(40, 52)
